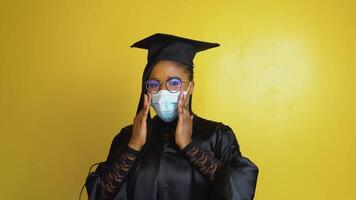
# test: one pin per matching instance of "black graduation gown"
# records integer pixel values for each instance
(164, 173)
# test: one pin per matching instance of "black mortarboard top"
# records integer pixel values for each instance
(162, 46)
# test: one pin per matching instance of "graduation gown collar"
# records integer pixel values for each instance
(167, 126)
(164, 130)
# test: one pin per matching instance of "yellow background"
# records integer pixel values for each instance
(283, 79)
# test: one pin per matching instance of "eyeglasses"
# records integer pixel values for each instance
(173, 85)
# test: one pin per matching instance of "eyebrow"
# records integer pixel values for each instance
(169, 77)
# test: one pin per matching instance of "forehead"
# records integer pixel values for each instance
(165, 69)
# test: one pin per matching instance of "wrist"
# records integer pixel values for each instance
(181, 147)
(134, 146)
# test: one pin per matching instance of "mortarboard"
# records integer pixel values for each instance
(162, 46)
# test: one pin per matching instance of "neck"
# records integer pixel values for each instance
(166, 124)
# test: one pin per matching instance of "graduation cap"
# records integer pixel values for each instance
(162, 46)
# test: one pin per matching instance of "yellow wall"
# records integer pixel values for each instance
(283, 79)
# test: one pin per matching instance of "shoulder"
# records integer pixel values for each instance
(216, 132)
(123, 135)
(206, 125)
(220, 135)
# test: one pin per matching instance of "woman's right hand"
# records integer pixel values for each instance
(139, 130)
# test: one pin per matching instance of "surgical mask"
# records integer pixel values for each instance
(165, 104)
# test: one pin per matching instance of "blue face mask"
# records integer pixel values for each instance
(165, 104)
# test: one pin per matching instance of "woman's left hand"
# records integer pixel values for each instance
(183, 134)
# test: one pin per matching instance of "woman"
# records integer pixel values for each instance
(176, 155)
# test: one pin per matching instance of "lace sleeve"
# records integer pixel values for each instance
(206, 162)
(114, 177)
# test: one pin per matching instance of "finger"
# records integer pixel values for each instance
(183, 104)
(187, 100)
(149, 100)
(186, 107)
(144, 101)
(148, 104)
(144, 111)
(180, 104)
(134, 121)
(186, 113)
(188, 94)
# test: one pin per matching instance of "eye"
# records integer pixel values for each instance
(153, 84)
(174, 82)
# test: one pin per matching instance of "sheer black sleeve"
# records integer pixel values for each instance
(203, 160)
(113, 178)
(108, 178)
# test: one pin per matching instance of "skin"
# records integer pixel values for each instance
(162, 71)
